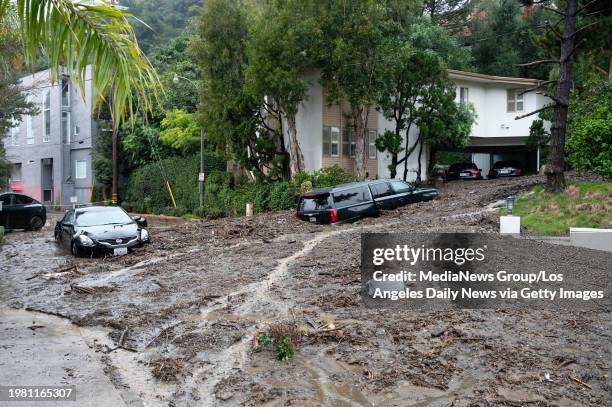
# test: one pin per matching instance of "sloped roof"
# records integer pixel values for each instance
(478, 77)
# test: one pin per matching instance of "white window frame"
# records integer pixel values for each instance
(515, 101)
(334, 141)
(371, 143)
(77, 172)
(30, 139)
(66, 127)
(464, 95)
(46, 115)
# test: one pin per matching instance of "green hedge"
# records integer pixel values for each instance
(145, 189)
(225, 195)
(1, 233)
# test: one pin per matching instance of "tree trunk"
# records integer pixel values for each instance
(360, 123)
(296, 157)
(418, 177)
(555, 180)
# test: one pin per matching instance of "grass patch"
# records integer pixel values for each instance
(582, 204)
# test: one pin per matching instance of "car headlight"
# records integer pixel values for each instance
(86, 240)
(144, 235)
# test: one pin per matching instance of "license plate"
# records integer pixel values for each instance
(465, 174)
(312, 219)
(120, 251)
(504, 171)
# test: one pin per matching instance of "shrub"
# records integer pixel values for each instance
(1, 233)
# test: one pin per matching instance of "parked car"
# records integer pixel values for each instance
(506, 169)
(349, 202)
(18, 211)
(463, 171)
(99, 230)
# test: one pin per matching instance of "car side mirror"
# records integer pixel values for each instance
(140, 221)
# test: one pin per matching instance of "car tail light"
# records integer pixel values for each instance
(296, 214)
(475, 172)
(518, 171)
(333, 216)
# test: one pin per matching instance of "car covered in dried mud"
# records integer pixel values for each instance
(350, 202)
(100, 230)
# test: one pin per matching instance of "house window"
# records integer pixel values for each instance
(371, 144)
(348, 142)
(15, 134)
(464, 95)
(331, 141)
(29, 130)
(46, 116)
(77, 132)
(335, 141)
(66, 127)
(80, 169)
(515, 100)
(65, 92)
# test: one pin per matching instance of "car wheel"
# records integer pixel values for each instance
(76, 252)
(36, 223)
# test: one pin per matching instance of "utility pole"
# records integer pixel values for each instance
(115, 159)
(202, 176)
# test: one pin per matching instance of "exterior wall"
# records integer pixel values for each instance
(384, 159)
(488, 95)
(31, 156)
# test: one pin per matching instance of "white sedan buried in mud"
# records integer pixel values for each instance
(100, 230)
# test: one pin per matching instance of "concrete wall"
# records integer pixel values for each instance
(31, 156)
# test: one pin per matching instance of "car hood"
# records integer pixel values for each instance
(110, 231)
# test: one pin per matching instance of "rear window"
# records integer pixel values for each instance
(315, 203)
(23, 200)
(463, 166)
(351, 196)
(502, 164)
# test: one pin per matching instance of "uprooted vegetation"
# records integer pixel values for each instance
(283, 337)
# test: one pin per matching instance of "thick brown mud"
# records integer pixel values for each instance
(174, 323)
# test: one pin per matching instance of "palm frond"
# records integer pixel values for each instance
(75, 34)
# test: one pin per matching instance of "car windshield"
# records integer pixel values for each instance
(110, 216)
(315, 202)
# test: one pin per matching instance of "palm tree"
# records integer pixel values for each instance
(74, 34)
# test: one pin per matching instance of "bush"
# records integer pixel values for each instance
(1, 233)
(224, 194)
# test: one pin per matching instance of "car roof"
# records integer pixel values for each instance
(349, 185)
(96, 208)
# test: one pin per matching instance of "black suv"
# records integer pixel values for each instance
(348, 202)
(463, 171)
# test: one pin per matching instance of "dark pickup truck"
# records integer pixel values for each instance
(349, 202)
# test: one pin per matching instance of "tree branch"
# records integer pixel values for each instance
(582, 41)
(543, 61)
(584, 28)
(561, 13)
(553, 97)
(554, 30)
(534, 112)
(544, 83)
(585, 6)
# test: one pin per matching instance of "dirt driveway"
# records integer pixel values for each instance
(175, 322)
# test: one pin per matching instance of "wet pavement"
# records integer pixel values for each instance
(175, 322)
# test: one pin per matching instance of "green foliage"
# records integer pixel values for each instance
(146, 190)
(451, 157)
(263, 341)
(284, 350)
(325, 177)
(163, 20)
(583, 204)
(1, 233)
(180, 131)
(503, 34)
(589, 145)
(232, 117)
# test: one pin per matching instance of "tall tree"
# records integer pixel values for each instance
(239, 125)
(415, 87)
(354, 32)
(278, 47)
(450, 14)
(568, 42)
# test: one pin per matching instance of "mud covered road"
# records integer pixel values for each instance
(175, 323)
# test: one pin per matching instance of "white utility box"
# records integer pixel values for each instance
(510, 225)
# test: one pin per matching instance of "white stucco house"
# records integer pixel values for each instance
(326, 140)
